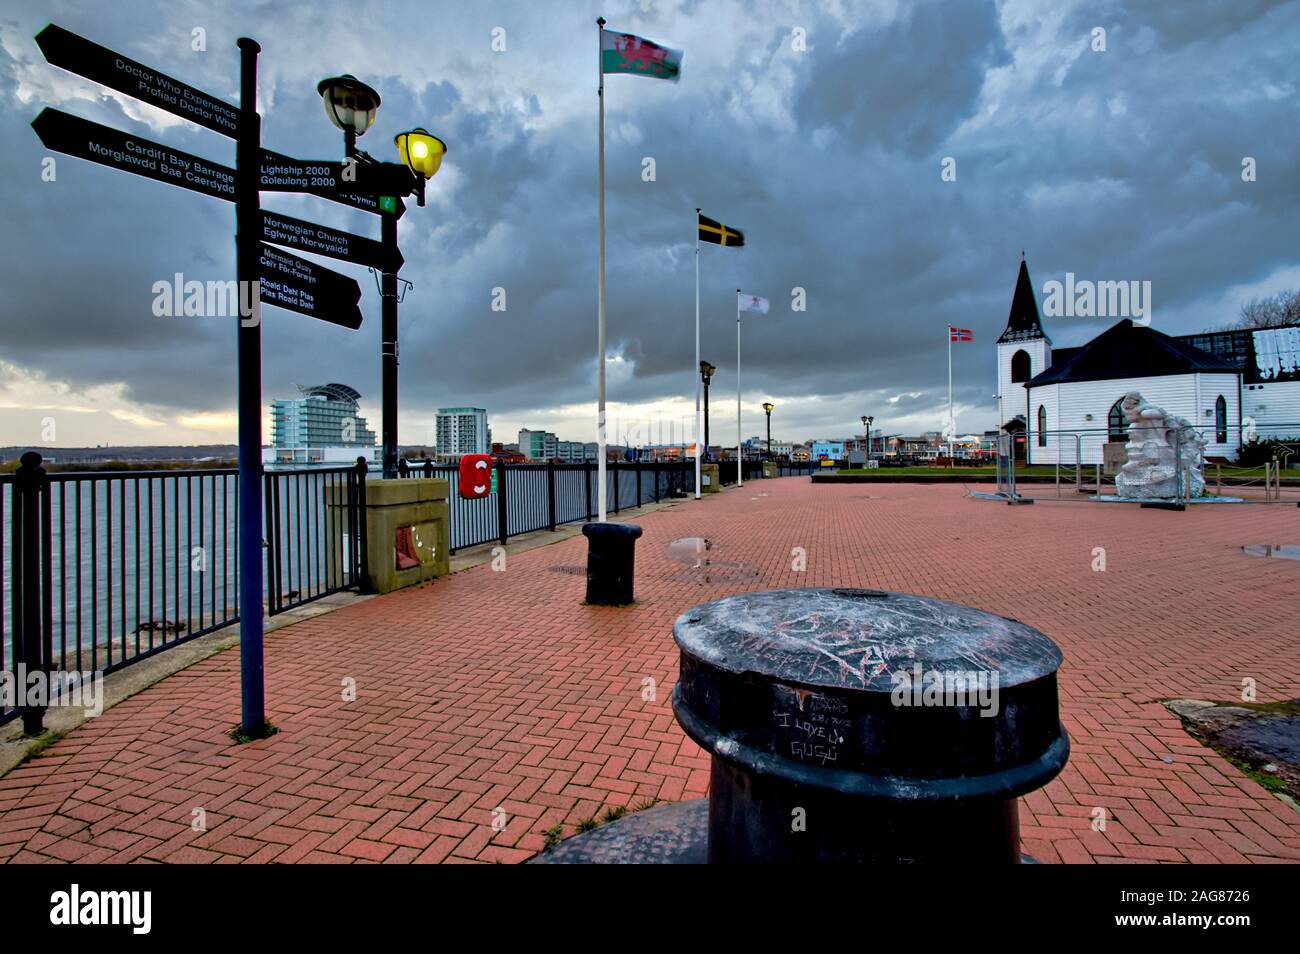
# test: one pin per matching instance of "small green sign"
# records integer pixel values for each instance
(388, 203)
(494, 480)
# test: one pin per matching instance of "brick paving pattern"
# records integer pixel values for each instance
(490, 689)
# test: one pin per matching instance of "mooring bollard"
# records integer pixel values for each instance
(611, 562)
(865, 726)
(850, 725)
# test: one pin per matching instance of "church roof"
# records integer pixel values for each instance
(1126, 350)
(1023, 323)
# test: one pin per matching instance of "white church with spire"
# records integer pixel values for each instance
(1063, 404)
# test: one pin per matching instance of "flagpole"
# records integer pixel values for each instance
(600, 281)
(740, 454)
(699, 420)
(951, 423)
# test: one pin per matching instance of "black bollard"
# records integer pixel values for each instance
(851, 725)
(611, 562)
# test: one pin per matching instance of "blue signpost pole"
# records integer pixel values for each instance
(247, 247)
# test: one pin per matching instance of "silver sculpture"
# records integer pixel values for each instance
(1165, 457)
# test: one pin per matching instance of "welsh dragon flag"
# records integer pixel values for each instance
(625, 53)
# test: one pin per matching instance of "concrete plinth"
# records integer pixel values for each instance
(710, 479)
(408, 533)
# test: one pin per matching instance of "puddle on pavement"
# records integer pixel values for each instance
(696, 553)
(1278, 551)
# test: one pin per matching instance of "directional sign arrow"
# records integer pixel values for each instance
(281, 173)
(63, 132)
(299, 285)
(79, 55)
(310, 237)
(110, 147)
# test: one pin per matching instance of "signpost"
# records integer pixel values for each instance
(322, 177)
(334, 243)
(285, 280)
(299, 285)
(110, 147)
(78, 55)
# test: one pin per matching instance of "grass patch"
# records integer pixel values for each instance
(585, 825)
(613, 813)
(552, 836)
(240, 737)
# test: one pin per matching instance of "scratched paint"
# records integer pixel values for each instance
(856, 639)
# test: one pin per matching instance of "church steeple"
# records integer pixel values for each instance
(1022, 322)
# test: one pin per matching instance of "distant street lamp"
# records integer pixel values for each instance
(768, 407)
(706, 372)
(351, 106)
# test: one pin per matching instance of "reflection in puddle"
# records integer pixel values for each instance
(695, 553)
(690, 551)
(1280, 551)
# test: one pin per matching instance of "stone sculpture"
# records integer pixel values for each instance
(1160, 446)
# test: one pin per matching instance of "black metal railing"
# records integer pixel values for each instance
(315, 533)
(99, 570)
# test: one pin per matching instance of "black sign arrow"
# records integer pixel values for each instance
(310, 237)
(63, 132)
(100, 64)
(281, 173)
(299, 285)
(110, 147)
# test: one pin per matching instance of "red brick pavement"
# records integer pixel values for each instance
(498, 689)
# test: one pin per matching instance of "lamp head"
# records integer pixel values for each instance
(349, 103)
(420, 151)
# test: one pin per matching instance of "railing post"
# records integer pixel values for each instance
(357, 508)
(550, 493)
(502, 507)
(272, 543)
(637, 465)
(586, 479)
(613, 470)
(656, 468)
(29, 557)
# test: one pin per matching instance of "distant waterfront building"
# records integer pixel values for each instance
(322, 426)
(538, 445)
(462, 430)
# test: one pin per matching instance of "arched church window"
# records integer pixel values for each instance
(1220, 420)
(1020, 366)
(1042, 424)
(1116, 424)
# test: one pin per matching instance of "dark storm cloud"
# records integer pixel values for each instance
(1117, 165)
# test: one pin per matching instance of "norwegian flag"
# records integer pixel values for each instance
(960, 334)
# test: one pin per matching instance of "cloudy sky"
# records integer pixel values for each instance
(820, 129)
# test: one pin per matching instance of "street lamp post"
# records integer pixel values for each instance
(351, 106)
(867, 423)
(706, 373)
(768, 408)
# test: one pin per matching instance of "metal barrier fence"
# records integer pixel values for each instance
(1236, 458)
(544, 496)
(99, 570)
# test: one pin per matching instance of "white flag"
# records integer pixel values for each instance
(752, 303)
